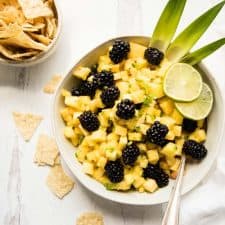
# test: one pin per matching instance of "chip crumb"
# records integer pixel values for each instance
(90, 218)
(50, 87)
(58, 182)
(46, 151)
(26, 124)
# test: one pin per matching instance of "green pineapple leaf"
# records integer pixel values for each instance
(167, 24)
(196, 56)
(186, 40)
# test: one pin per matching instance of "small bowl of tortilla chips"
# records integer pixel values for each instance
(29, 31)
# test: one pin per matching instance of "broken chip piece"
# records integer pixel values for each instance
(46, 151)
(90, 218)
(26, 124)
(58, 182)
(50, 87)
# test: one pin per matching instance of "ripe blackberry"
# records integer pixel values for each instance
(85, 88)
(130, 154)
(156, 173)
(125, 109)
(156, 134)
(114, 171)
(119, 51)
(154, 56)
(89, 121)
(189, 125)
(194, 149)
(103, 79)
(110, 95)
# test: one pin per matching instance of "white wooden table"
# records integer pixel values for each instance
(24, 197)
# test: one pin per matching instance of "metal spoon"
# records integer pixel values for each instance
(171, 216)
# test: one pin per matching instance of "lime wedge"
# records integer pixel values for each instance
(198, 109)
(182, 82)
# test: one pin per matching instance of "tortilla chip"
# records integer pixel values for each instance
(9, 31)
(50, 87)
(51, 27)
(90, 218)
(10, 14)
(32, 27)
(41, 38)
(58, 182)
(21, 39)
(46, 151)
(17, 56)
(26, 124)
(35, 8)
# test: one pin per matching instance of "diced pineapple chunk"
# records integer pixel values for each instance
(167, 105)
(111, 154)
(138, 182)
(88, 168)
(169, 150)
(123, 75)
(69, 132)
(119, 130)
(129, 178)
(168, 121)
(142, 161)
(71, 101)
(177, 130)
(101, 162)
(150, 185)
(170, 136)
(98, 136)
(156, 90)
(176, 165)
(138, 96)
(198, 135)
(123, 141)
(179, 143)
(177, 117)
(136, 50)
(153, 156)
(134, 136)
(81, 72)
(143, 128)
(65, 93)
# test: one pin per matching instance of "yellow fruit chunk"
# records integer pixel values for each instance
(153, 156)
(81, 72)
(136, 50)
(150, 185)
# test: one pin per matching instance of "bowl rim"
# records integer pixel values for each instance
(185, 190)
(42, 55)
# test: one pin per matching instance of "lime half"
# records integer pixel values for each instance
(182, 82)
(198, 109)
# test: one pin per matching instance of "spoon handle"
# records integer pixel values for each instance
(171, 216)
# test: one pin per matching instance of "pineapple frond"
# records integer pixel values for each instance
(186, 39)
(167, 24)
(196, 56)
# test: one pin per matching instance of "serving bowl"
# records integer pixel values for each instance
(43, 55)
(195, 173)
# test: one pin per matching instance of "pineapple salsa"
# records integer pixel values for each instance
(128, 134)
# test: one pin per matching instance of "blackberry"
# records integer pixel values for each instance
(189, 125)
(156, 173)
(156, 134)
(194, 149)
(125, 109)
(85, 88)
(114, 171)
(110, 95)
(154, 56)
(138, 106)
(119, 51)
(103, 79)
(130, 154)
(89, 121)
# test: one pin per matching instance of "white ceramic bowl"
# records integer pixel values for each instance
(43, 55)
(194, 174)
